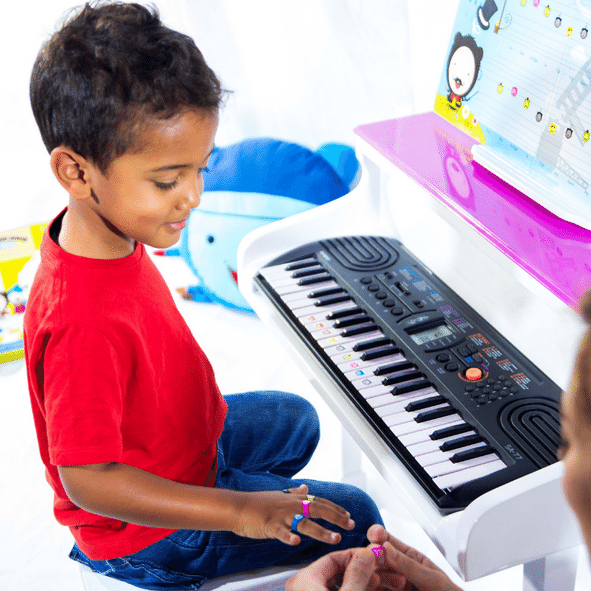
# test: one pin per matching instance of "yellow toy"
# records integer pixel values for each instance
(17, 247)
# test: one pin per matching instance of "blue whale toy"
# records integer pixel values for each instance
(247, 185)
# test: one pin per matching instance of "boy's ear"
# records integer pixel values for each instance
(72, 172)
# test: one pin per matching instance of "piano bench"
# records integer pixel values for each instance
(265, 579)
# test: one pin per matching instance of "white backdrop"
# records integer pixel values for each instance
(306, 71)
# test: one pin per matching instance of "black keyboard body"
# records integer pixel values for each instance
(448, 351)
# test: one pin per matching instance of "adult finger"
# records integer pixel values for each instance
(359, 575)
(322, 573)
(377, 534)
(425, 577)
(386, 578)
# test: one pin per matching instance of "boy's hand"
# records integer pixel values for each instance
(420, 573)
(269, 514)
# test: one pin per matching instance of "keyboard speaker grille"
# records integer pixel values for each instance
(361, 253)
(534, 425)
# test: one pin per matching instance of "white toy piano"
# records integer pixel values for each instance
(434, 306)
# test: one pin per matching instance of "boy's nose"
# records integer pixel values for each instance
(192, 197)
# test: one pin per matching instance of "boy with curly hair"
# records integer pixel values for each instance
(163, 482)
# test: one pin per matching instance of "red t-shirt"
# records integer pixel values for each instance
(115, 375)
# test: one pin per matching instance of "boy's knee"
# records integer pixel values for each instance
(360, 505)
(301, 412)
(364, 511)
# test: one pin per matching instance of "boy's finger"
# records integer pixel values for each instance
(287, 536)
(316, 531)
(300, 490)
(335, 514)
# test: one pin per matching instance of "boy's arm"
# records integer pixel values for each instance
(133, 495)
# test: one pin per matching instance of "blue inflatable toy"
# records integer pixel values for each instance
(250, 184)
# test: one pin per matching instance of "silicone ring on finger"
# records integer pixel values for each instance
(296, 520)
(306, 508)
(379, 552)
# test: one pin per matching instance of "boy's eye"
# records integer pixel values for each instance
(205, 169)
(166, 186)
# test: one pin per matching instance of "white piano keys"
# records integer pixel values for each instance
(302, 293)
(455, 479)
(443, 468)
(426, 446)
(308, 305)
(341, 356)
(359, 363)
(443, 457)
(395, 406)
(424, 435)
(292, 288)
(312, 312)
(369, 381)
(379, 389)
(399, 418)
(303, 297)
(339, 339)
(348, 344)
(278, 273)
(284, 282)
(412, 427)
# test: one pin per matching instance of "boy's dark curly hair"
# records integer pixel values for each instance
(112, 68)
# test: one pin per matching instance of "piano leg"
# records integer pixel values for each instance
(556, 571)
(352, 459)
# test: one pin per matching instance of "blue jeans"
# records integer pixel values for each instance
(268, 437)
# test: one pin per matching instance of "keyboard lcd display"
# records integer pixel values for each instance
(431, 334)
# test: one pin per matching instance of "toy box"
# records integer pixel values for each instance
(17, 248)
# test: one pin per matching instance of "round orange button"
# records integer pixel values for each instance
(473, 374)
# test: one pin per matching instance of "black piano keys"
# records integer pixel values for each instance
(400, 395)
(457, 403)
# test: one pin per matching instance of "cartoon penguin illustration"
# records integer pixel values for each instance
(463, 67)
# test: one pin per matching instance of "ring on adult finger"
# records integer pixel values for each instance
(311, 497)
(379, 552)
(296, 520)
(306, 508)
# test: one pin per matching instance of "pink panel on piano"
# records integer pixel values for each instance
(438, 156)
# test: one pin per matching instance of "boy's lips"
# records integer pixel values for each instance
(176, 226)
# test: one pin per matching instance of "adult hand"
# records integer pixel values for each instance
(269, 514)
(353, 569)
(420, 573)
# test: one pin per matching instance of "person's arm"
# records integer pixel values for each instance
(135, 496)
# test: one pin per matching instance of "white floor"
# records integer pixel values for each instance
(34, 548)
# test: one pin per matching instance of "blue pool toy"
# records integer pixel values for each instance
(250, 184)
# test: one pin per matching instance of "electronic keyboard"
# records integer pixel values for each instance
(455, 401)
